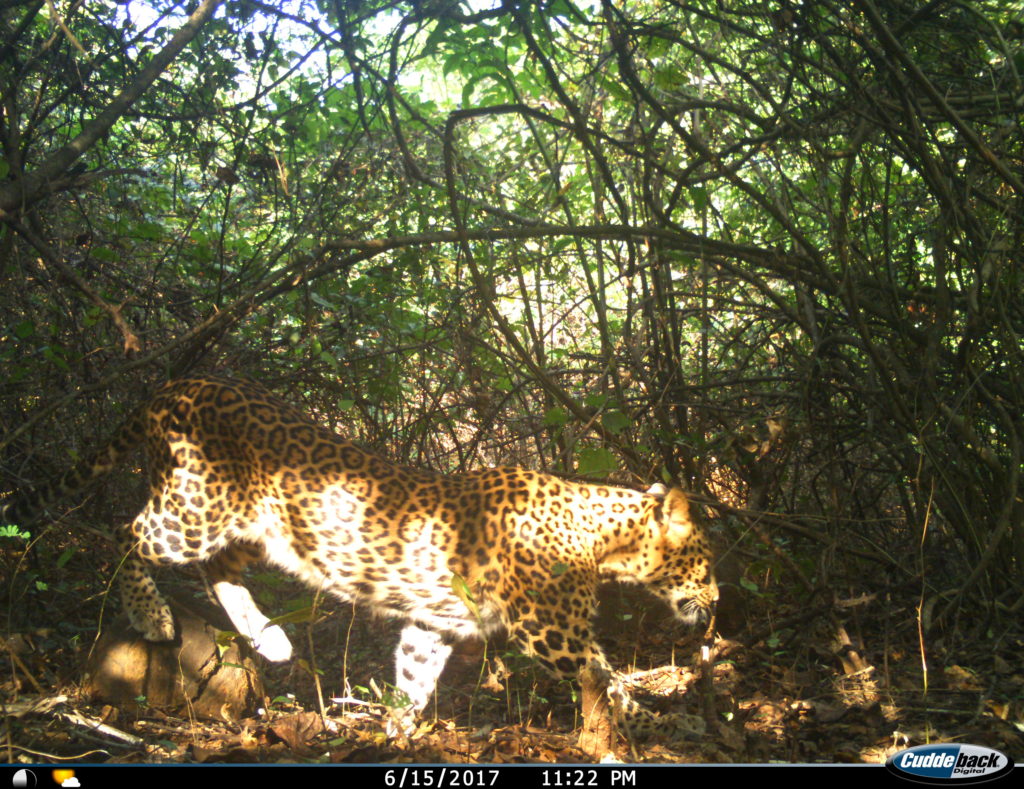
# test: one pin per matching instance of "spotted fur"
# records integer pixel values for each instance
(237, 475)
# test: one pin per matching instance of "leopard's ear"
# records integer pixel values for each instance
(657, 489)
(676, 513)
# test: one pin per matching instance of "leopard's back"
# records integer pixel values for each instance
(230, 463)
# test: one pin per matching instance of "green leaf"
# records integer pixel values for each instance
(225, 638)
(615, 422)
(51, 356)
(149, 230)
(305, 666)
(597, 462)
(65, 557)
(699, 196)
(465, 594)
(304, 614)
(556, 417)
(559, 568)
(467, 89)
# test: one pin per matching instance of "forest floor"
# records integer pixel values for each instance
(840, 682)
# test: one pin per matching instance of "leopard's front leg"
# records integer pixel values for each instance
(641, 723)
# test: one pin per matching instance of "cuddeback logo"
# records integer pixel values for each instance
(949, 763)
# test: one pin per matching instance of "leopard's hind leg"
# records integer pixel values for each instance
(147, 609)
(225, 573)
(144, 544)
(159, 536)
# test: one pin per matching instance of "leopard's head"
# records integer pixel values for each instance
(684, 577)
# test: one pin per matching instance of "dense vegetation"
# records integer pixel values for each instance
(770, 250)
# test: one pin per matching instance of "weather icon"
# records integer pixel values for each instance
(23, 779)
(66, 778)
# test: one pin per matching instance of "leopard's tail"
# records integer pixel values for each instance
(23, 506)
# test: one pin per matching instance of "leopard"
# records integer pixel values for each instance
(238, 476)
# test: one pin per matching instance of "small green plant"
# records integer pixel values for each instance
(392, 696)
(14, 531)
(284, 703)
(225, 639)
